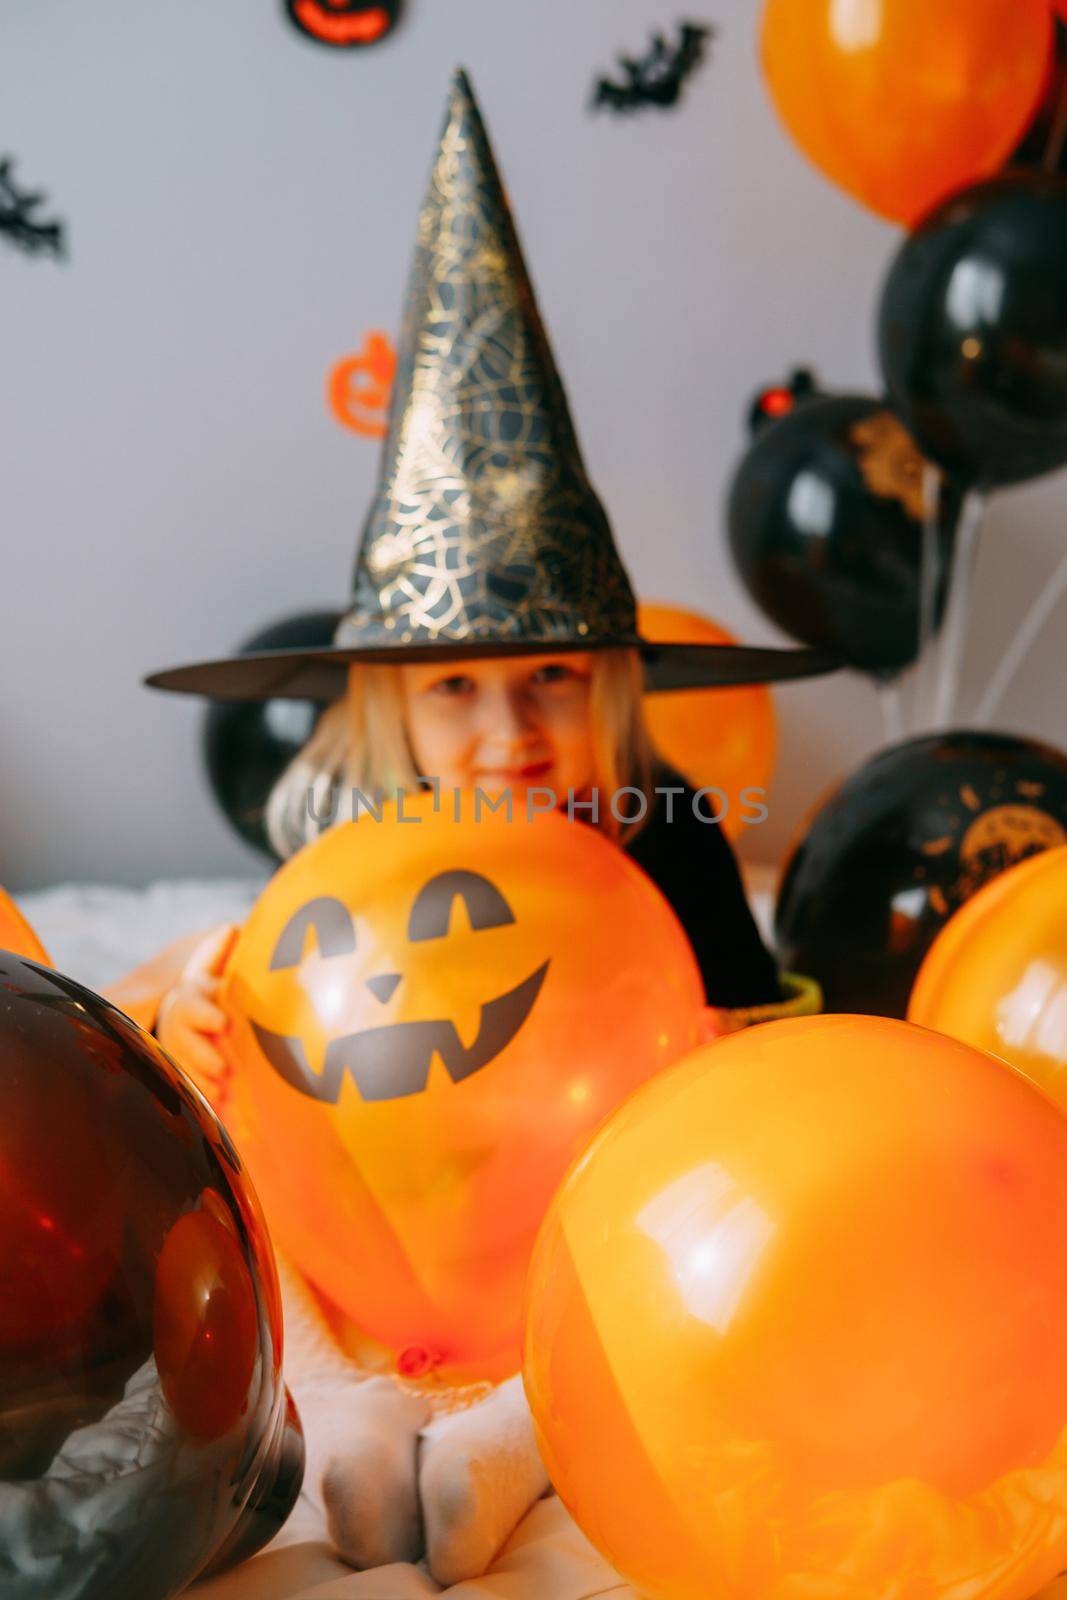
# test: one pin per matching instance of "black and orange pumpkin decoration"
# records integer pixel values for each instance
(429, 1016)
(341, 25)
(898, 848)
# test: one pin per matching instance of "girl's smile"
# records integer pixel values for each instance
(510, 722)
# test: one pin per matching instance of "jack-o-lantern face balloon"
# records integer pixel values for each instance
(343, 24)
(16, 934)
(429, 1016)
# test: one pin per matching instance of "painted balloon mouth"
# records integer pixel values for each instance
(391, 1062)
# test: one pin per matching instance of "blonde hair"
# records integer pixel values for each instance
(361, 743)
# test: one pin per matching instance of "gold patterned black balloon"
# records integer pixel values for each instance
(145, 1432)
(901, 845)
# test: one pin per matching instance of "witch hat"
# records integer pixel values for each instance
(485, 536)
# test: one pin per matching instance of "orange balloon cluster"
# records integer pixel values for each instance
(996, 976)
(796, 1322)
(722, 738)
(16, 934)
(430, 1016)
(901, 102)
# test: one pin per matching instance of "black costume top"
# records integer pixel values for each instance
(691, 863)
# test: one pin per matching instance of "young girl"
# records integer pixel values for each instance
(491, 643)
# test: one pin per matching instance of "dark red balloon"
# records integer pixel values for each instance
(144, 1427)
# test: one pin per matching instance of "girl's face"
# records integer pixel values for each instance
(510, 722)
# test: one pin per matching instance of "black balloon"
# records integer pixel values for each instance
(248, 744)
(145, 1433)
(973, 330)
(1044, 144)
(900, 846)
(825, 517)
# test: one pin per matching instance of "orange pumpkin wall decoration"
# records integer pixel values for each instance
(360, 387)
(429, 1017)
(342, 25)
(16, 934)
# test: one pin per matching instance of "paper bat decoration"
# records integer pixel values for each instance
(18, 221)
(658, 77)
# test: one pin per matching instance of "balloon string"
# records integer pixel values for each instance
(892, 712)
(1021, 645)
(957, 607)
(1057, 132)
(929, 578)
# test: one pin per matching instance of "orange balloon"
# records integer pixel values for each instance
(796, 1322)
(428, 1022)
(996, 976)
(720, 738)
(902, 102)
(16, 934)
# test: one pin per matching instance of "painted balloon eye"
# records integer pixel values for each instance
(330, 921)
(431, 915)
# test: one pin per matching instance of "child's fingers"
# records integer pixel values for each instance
(198, 1057)
(210, 955)
(199, 1013)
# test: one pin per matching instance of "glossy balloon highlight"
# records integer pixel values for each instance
(996, 975)
(801, 1303)
(429, 1016)
(145, 1434)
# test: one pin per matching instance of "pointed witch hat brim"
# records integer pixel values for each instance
(321, 674)
(485, 536)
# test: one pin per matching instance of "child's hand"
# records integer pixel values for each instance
(190, 1020)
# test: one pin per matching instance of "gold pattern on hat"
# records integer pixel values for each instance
(485, 527)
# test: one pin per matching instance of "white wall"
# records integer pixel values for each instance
(241, 207)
